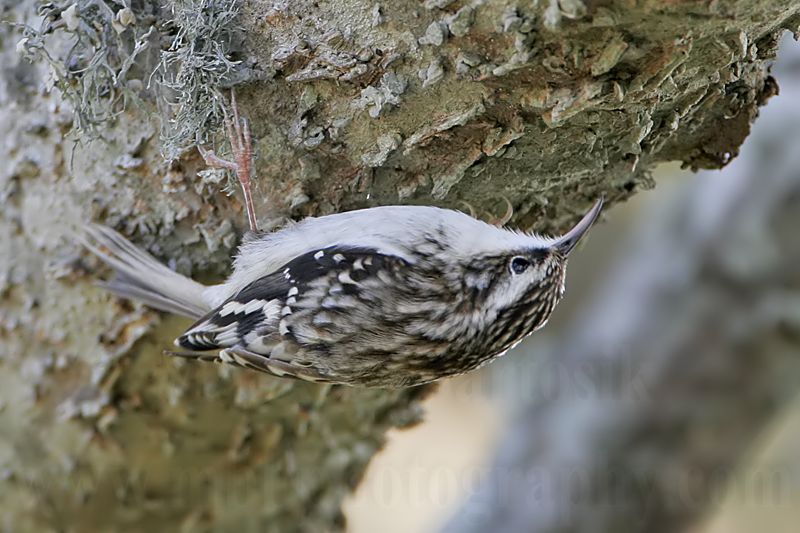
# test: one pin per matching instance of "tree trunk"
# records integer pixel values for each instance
(353, 104)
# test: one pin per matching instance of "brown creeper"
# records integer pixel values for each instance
(385, 297)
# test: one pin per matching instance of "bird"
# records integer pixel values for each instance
(389, 296)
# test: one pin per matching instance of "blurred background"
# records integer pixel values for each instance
(707, 371)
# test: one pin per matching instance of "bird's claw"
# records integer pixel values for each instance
(503, 220)
(470, 210)
(495, 221)
(239, 136)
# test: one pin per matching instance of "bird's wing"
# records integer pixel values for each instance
(288, 304)
(257, 305)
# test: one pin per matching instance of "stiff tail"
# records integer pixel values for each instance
(141, 277)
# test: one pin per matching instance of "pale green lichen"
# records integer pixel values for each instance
(115, 55)
(193, 69)
(98, 74)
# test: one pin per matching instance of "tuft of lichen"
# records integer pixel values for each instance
(98, 72)
(175, 56)
(192, 70)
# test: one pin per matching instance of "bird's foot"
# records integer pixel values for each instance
(503, 220)
(238, 129)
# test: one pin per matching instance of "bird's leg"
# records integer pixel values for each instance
(238, 129)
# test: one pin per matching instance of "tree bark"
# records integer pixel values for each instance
(698, 329)
(353, 104)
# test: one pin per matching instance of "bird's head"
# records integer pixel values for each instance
(520, 281)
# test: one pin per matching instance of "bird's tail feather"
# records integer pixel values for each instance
(141, 277)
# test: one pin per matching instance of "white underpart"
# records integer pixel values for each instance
(391, 230)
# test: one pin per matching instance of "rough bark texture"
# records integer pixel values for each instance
(353, 104)
(703, 313)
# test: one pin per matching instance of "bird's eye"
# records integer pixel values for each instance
(519, 265)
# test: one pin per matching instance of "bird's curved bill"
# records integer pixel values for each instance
(566, 243)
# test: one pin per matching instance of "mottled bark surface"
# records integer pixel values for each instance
(353, 104)
(693, 345)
